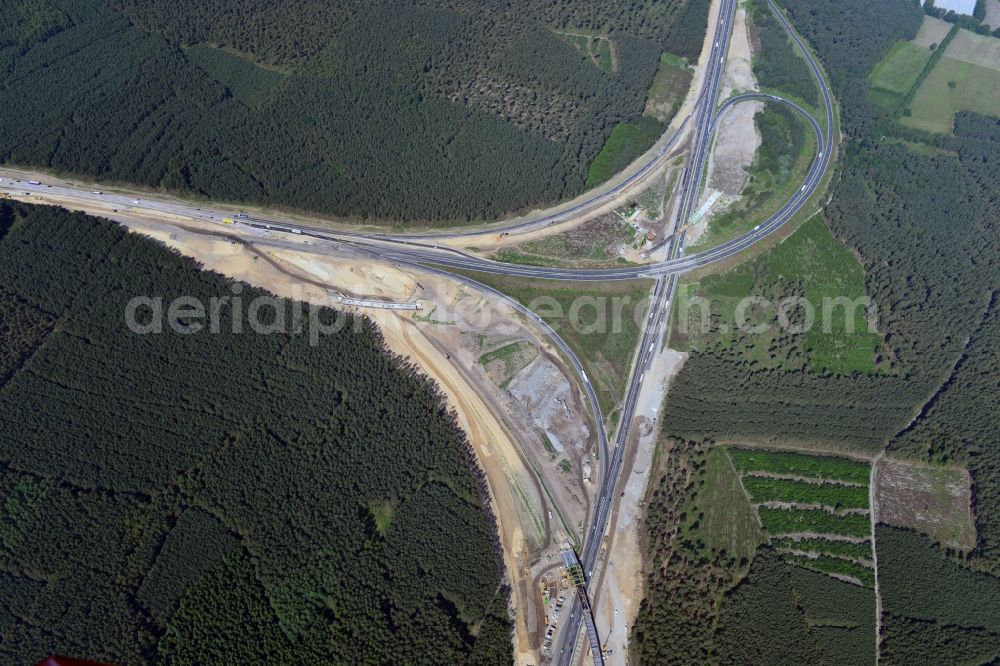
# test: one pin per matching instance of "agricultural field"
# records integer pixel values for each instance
(670, 85)
(814, 509)
(965, 77)
(594, 243)
(834, 566)
(954, 85)
(932, 32)
(788, 463)
(810, 264)
(899, 70)
(932, 499)
(850, 550)
(813, 521)
(766, 489)
(597, 321)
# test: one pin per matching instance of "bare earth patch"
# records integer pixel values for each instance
(737, 138)
(976, 49)
(617, 601)
(933, 499)
(932, 31)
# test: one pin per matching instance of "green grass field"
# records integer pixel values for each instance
(627, 142)
(764, 489)
(780, 521)
(900, 68)
(729, 522)
(602, 49)
(824, 270)
(800, 464)
(668, 89)
(976, 88)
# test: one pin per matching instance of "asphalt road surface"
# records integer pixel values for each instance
(665, 289)
(419, 249)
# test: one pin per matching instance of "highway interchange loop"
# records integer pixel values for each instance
(418, 250)
(663, 293)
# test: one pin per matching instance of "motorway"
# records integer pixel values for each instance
(665, 289)
(417, 250)
(565, 646)
(407, 249)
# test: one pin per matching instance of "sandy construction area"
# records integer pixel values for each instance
(619, 597)
(736, 139)
(529, 427)
(535, 444)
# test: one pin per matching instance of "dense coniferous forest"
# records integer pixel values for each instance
(205, 497)
(920, 212)
(777, 64)
(946, 614)
(419, 111)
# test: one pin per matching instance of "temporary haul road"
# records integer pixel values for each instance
(420, 249)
